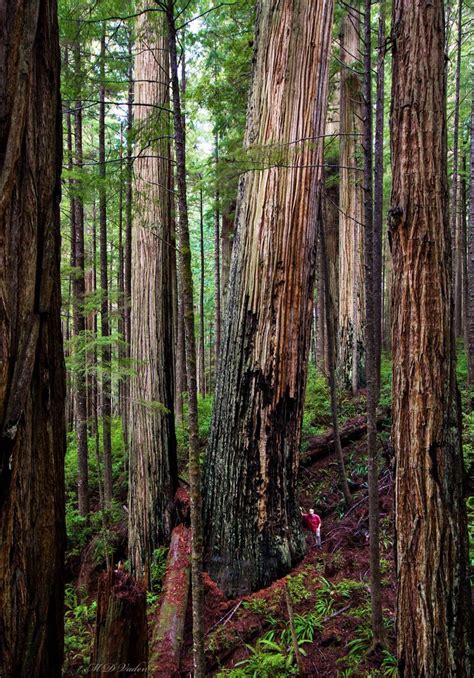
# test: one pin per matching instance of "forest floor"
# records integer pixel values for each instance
(329, 592)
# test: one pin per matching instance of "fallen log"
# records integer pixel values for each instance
(120, 645)
(323, 445)
(168, 631)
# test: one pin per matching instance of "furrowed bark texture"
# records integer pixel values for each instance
(251, 513)
(433, 595)
(121, 627)
(350, 362)
(153, 464)
(32, 389)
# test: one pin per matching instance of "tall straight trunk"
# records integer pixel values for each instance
(186, 279)
(127, 257)
(202, 353)
(227, 232)
(251, 511)
(32, 387)
(331, 338)
(153, 463)
(350, 363)
(453, 207)
(79, 319)
(470, 259)
(104, 284)
(217, 258)
(431, 549)
(371, 357)
(378, 188)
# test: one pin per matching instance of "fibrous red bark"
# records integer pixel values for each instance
(32, 390)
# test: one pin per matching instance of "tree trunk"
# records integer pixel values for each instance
(104, 284)
(371, 356)
(202, 353)
(79, 320)
(121, 627)
(351, 370)
(470, 260)
(329, 318)
(168, 630)
(217, 260)
(32, 388)
(127, 263)
(153, 463)
(186, 279)
(378, 189)
(227, 232)
(433, 595)
(453, 208)
(251, 511)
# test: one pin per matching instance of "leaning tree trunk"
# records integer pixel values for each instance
(251, 513)
(153, 464)
(32, 390)
(433, 596)
(350, 362)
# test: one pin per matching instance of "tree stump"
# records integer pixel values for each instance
(121, 630)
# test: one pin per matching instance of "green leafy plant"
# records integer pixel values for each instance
(269, 659)
(297, 589)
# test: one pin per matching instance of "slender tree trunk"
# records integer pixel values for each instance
(153, 463)
(227, 232)
(79, 319)
(351, 370)
(186, 278)
(217, 259)
(470, 259)
(202, 353)
(453, 208)
(251, 511)
(104, 284)
(331, 338)
(127, 283)
(378, 188)
(431, 549)
(32, 387)
(371, 357)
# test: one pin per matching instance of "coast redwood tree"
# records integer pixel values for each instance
(252, 522)
(32, 391)
(153, 465)
(433, 596)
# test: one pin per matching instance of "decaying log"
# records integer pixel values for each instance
(169, 629)
(323, 445)
(121, 632)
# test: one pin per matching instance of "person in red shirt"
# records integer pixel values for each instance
(313, 522)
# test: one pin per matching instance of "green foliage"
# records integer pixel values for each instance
(79, 621)
(296, 588)
(317, 406)
(256, 605)
(158, 568)
(268, 659)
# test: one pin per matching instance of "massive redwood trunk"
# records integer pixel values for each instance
(153, 465)
(251, 512)
(32, 391)
(433, 597)
(351, 321)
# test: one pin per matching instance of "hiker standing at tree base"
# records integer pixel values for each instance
(313, 522)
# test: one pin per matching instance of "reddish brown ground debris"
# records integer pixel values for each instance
(345, 555)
